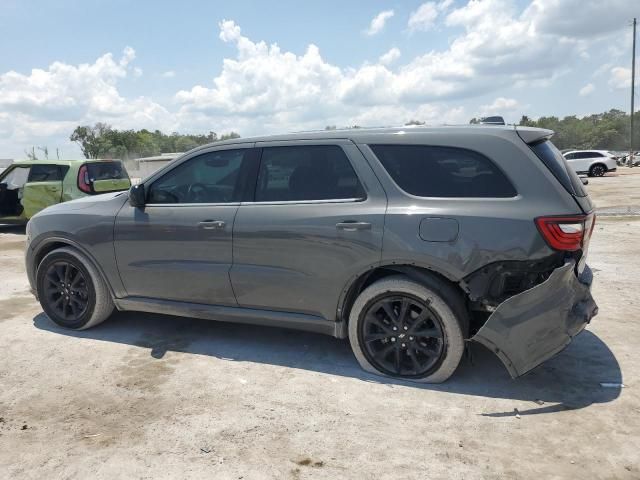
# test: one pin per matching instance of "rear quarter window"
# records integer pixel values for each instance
(429, 171)
(557, 164)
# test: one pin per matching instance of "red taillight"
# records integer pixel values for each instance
(84, 184)
(567, 233)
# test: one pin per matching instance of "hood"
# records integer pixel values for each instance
(97, 201)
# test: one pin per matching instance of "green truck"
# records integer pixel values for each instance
(28, 186)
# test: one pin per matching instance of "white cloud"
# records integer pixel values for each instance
(586, 90)
(580, 18)
(46, 105)
(168, 74)
(378, 22)
(391, 56)
(424, 17)
(620, 77)
(500, 106)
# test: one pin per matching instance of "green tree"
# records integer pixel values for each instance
(102, 141)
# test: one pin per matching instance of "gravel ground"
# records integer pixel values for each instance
(149, 396)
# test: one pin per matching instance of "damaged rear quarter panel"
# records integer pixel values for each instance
(532, 326)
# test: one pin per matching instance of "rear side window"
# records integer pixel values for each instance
(427, 171)
(106, 171)
(556, 163)
(46, 173)
(306, 172)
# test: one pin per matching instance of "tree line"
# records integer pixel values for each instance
(600, 131)
(103, 141)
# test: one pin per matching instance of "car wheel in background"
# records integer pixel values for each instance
(71, 291)
(401, 328)
(597, 170)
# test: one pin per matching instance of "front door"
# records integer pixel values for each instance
(12, 183)
(311, 228)
(179, 246)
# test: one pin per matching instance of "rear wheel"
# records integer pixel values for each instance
(71, 291)
(403, 329)
(597, 170)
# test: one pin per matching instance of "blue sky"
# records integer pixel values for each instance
(177, 66)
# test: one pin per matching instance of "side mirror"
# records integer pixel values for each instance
(137, 196)
(584, 180)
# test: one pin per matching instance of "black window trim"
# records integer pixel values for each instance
(296, 143)
(419, 197)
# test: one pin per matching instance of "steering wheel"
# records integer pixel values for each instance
(196, 192)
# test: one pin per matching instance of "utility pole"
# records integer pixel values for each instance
(633, 91)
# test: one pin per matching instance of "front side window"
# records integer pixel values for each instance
(570, 156)
(16, 178)
(427, 171)
(306, 172)
(45, 173)
(212, 177)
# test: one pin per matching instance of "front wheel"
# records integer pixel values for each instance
(71, 291)
(403, 329)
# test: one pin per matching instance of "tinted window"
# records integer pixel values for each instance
(45, 173)
(208, 178)
(106, 171)
(570, 156)
(556, 163)
(443, 171)
(310, 172)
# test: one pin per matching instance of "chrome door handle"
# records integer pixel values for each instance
(212, 224)
(353, 226)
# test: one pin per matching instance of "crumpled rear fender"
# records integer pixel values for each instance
(532, 326)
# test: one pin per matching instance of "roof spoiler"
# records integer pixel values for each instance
(534, 135)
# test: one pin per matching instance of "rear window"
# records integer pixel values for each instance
(556, 163)
(427, 171)
(106, 171)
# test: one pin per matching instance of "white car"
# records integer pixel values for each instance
(594, 163)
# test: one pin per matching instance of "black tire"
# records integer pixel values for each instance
(83, 301)
(597, 170)
(406, 353)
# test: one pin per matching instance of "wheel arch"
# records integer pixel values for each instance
(598, 163)
(420, 274)
(54, 243)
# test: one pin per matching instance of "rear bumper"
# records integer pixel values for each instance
(533, 326)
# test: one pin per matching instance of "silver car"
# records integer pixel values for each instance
(408, 242)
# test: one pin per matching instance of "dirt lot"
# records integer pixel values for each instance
(147, 396)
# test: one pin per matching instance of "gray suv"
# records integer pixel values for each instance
(409, 242)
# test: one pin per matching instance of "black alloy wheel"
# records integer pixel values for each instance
(402, 336)
(598, 171)
(66, 291)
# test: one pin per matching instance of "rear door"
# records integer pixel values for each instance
(43, 187)
(178, 247)
(315, 222)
